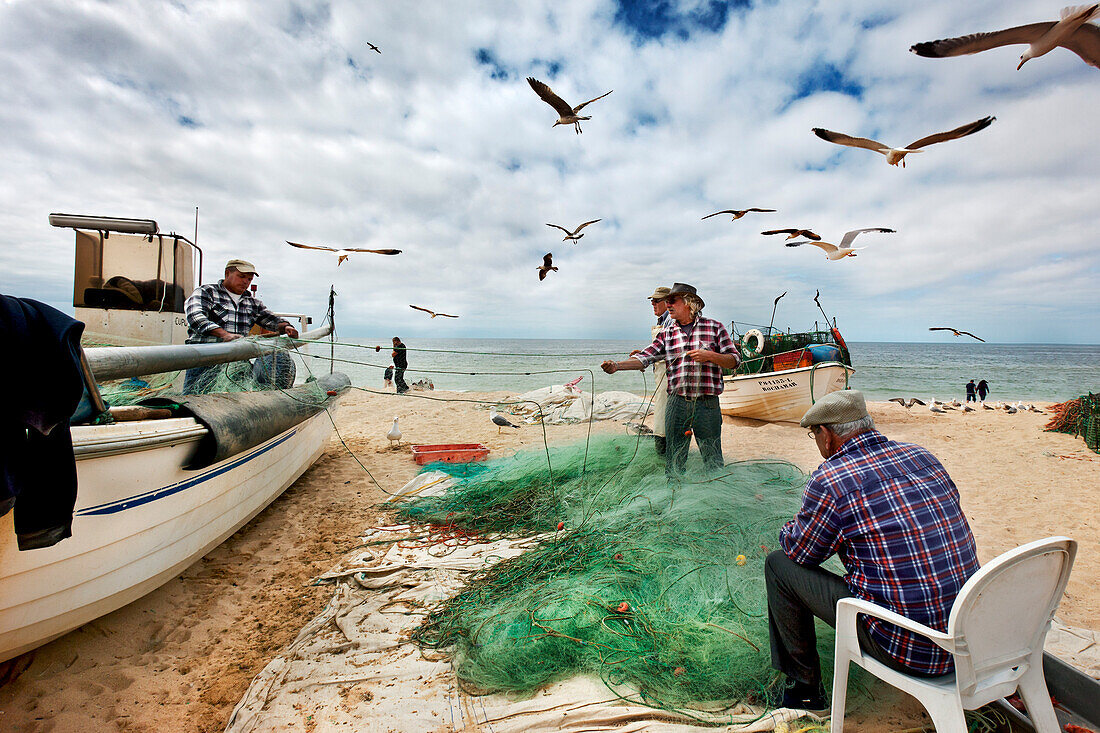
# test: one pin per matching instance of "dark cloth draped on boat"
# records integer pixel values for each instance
(44, 387)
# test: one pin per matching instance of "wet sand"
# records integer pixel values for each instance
(180, 658)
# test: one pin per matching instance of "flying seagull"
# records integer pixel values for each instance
(956, 332)
(897, 155)
(395, 433)
(834, 252)
(432, 313)
(737, 213)
(547, 265)
(566, 114)
(1073, 31)
(499, 421)
(343, 254)
(912, 401)
(373, 47)
(573, 236)
(792, 233)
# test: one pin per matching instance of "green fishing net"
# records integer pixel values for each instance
(650, 584)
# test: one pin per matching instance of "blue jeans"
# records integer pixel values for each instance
(704, 419)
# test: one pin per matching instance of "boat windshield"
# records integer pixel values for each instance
(132, 271)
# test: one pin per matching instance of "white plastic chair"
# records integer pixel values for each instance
(995, 634)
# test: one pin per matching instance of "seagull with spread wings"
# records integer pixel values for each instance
(573, 236)
(547, 265)
(793, 233)
(343, 254)
(373, 47)
(897, 155)
(907, 404)
(1072, 31)
(433, 314)
(566, 115)
(737, 213)
(844, 249)
(956, 331)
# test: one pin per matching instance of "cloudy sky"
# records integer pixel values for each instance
(278, 122)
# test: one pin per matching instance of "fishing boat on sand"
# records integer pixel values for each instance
(170, 478)
(782, 373)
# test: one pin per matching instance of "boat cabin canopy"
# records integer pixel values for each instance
(127, 264)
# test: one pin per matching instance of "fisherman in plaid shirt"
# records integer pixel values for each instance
(695, 350)
(891, 513)
(225, 311)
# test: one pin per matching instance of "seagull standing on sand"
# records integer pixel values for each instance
(934, 406)
(737, 213)
(499, 421)
(573, 236)
(547, 265)
(395, 433)
(956, 331)
(433, 314)
(566, 115)
(343, 254)
(897, 155)
(834, 252)
(1073, 31)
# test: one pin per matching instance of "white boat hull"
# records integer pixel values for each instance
(782, 396)
(140, 520)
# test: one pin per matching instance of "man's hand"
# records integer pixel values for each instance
(609, 366)
(224, 335)
(635, 351)
(291, 331)
(702, 356)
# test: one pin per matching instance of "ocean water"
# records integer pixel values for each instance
(1040, 372)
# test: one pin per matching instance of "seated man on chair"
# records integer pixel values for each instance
(891, 513)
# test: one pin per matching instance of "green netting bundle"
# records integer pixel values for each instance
(645, 586)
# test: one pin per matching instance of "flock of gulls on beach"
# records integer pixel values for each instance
(1073, 31)
(941, 408)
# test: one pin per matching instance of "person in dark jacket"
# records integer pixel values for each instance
(400, 364)
(970, 392)
(983, 390)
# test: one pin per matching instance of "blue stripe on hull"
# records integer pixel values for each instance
(120, 505)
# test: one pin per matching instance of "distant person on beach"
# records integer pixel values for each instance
(660, 394)
(970, 396)
(400, 364)
(387, 377)
(226, 311)
(983, 389)
(694, 349)
(892, 515)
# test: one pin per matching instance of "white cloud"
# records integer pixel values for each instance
(279, 123)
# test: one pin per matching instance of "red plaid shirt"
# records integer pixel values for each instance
(689, 378)
(892, 514)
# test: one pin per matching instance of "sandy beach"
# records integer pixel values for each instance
(180, 658)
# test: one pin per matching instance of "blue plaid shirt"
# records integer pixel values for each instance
(210, 307)
(892, 514)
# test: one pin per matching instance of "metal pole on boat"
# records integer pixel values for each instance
(818, 293)
(332, 326)
(774, 305)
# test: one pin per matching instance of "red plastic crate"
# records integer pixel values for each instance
(449, 453)
(792, 360)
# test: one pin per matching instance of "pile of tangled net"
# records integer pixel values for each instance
(1078, 417)
(653, 585)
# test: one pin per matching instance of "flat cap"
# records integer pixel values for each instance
(660, 293)
(846, 405)
(242, 266)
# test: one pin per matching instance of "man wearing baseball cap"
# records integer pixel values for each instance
(891, 513)
(225, 311)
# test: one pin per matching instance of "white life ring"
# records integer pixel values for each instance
(753, 341)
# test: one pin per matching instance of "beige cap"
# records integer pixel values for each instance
(660, 293)
(242, 266)
(847, 405)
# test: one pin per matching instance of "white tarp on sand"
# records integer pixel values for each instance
(558, 404)
(352, 668)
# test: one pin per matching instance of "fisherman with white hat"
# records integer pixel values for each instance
(225, 311)
(892, 515)
(660, 393)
